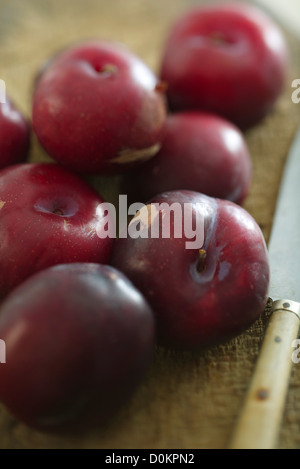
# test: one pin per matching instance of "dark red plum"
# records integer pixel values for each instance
(14, 135)
(78, 337)
(97, 107)
(48, 216)
(227, 58)
(200, 152)
(205, 294)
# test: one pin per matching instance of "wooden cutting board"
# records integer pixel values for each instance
(187, 400)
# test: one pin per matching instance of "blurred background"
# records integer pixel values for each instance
(39, 27)
(288, 12)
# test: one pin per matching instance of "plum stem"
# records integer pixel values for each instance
(58, 211)
(161, 87)
(109, 69)
(201, 260)
(217, 38)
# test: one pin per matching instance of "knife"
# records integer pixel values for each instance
(259, 423)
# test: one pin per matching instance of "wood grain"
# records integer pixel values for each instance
(187, 400)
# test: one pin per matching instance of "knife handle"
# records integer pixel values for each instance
(259, 424)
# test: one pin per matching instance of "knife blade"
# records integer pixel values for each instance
(284, 245)
(260, 420)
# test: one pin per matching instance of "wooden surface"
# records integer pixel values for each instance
(187, 400)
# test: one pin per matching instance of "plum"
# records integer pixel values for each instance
(14, 135)
(228, 58)
(204, 293)
(97, 107)
(48, 216)
(78, 337)
(200, 152)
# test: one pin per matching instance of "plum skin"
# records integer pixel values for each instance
(79, 338)
(98, 108)
(230, 59)
(48, 216)
(199, 304)
(14, 135)
(200, 152)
